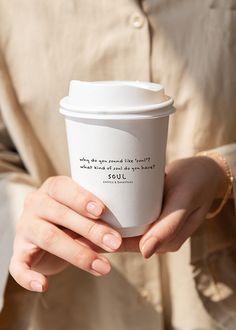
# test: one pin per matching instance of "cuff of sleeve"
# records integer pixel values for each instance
(13, 190)
(229, 153)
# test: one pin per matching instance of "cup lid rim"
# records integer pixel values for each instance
(64, 104)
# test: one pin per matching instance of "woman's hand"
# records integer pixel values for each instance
(191, 185)
(60, 223)
(60, 226)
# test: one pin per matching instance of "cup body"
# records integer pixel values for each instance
(120, 159)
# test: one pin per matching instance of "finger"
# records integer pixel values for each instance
(20, 269)
(53, 240)
(129, 244)
(27, 278)
(178, 205)
(66, 191)
(175, 212)
(49, 264)
(191, 225)
(95, 231)
(162, 231)
(83, 241)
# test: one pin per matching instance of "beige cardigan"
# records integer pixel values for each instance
(190, 48)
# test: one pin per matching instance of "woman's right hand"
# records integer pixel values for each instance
(60, 226)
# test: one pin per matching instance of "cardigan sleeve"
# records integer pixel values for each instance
(228, 151)
(15, 184)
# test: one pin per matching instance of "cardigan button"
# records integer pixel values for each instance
(137, 20)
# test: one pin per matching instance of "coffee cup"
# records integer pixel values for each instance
(117, 135)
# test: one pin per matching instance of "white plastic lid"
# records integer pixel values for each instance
(117, 99)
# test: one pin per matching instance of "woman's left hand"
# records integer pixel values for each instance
(191, 185)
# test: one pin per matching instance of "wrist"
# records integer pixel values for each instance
(224, 182)
(223, 173)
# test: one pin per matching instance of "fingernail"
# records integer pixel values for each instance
(100, 266)
(111, 241)
(149, 247)
(94, 208)
(36, 286)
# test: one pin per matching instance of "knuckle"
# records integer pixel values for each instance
(46, 206)
(83, 259)
(161, 248)
(49, 180)
(93, 230)
(54, 184)
(87, 262)
(47, 236)
(82, 197)
(63, 214)
(29, 199)
(33, 230)
(36, 200)
(42, 201)
(171, 231)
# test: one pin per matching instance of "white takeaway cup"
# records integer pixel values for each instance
(117, 133)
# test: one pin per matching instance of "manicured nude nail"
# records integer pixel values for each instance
(111, 241)
(149, 247)
(100, 266)
(36, 286)
(94, 208)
